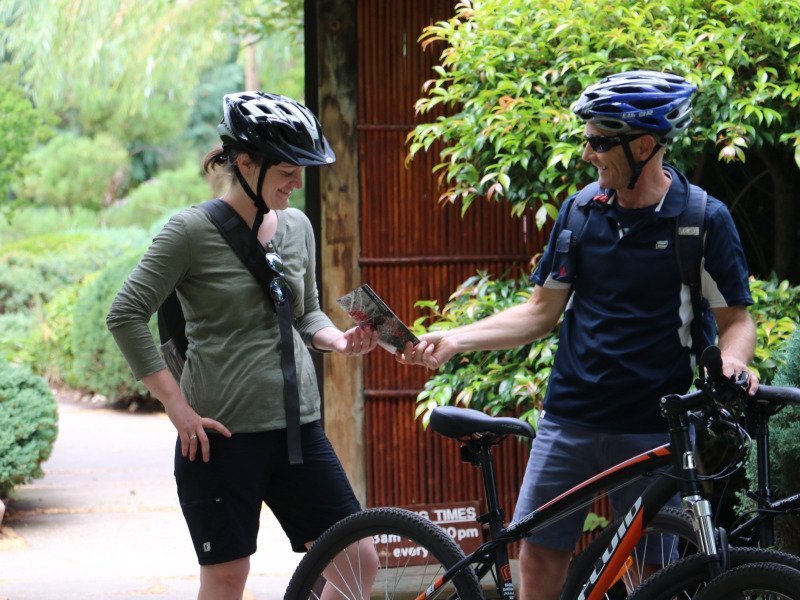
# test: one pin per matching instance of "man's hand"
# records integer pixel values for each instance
(733, 368)
(433, 350)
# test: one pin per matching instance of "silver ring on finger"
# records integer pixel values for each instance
(193, 436)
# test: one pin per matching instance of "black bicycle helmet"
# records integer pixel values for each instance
(276, 127)
(658, 103)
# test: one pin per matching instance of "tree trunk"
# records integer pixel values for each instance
(340, 239)
(785, 182)
(251, 66)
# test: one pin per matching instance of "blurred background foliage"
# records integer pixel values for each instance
(106, 111)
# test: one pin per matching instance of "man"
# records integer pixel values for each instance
(625, 339)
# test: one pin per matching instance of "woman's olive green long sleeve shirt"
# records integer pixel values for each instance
(232, 371)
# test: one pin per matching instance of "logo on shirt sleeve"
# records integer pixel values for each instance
(662, 244)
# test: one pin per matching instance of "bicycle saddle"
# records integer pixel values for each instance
(454, 422)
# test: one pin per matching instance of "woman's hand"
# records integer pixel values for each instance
(355, 341)
(192, 429)
(191, 426)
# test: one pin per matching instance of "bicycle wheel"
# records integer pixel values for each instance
(686, 578)
(387, 553)
(669, 536)
(757, 581)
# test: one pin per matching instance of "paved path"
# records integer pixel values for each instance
(104, 522)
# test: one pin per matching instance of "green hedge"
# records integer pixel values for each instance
(97, 365)
(75, 171)
(32, 270)
(28, 425)
(56, 339)
(32, 220)
(515, 380)
(21, 340)
(169, 191)
(784, 432)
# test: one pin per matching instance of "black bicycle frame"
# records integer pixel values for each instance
(664, 486)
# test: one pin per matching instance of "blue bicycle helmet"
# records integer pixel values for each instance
(658, 103)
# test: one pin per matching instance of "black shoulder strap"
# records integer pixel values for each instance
(578, 212)
(237, 234)
(241, 239)
(689, 244)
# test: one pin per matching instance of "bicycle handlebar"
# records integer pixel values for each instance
(715, 388)
(774, 394)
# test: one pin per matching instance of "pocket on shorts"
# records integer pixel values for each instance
(207, 521)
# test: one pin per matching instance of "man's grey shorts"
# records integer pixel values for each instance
(561, 458)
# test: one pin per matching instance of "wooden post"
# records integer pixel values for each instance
(335, 24)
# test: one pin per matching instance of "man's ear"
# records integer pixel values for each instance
(645, 147)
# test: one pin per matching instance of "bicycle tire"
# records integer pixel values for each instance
(686, 578)
(754, 581)
(390, 530)
(668, 521)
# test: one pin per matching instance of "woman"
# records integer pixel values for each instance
(231, 453)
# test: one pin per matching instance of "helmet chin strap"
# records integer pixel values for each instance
(261, 206)
(636, 167)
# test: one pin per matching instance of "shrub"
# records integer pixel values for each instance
(32, 220)
(22, 125)
(498, 381)
(21, 337)
(32, 270)
(776, 311)
(97, 364)
(56, 332)
(28, 425)
(72, 171)
(169, 191)
(784, 431)
(515, 380)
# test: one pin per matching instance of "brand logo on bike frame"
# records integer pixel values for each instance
(610, 551)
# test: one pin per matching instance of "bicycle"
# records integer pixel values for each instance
(394, 537)
(757, 580)
(755, 528)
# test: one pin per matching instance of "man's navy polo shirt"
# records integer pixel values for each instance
(624, 340)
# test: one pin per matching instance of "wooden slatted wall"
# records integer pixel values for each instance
(413, 248)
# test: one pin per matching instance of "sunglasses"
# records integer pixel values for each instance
(278, 288)
(602, 143)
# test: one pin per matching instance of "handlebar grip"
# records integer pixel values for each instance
(778, 394)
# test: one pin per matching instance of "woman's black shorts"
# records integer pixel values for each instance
(221, 499)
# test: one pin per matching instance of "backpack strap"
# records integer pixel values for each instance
(689, 245)
(241, 239)
(567, 243)
(578, 213)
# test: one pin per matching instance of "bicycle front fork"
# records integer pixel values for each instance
(703, 523)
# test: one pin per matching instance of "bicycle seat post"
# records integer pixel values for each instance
(479, 453)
